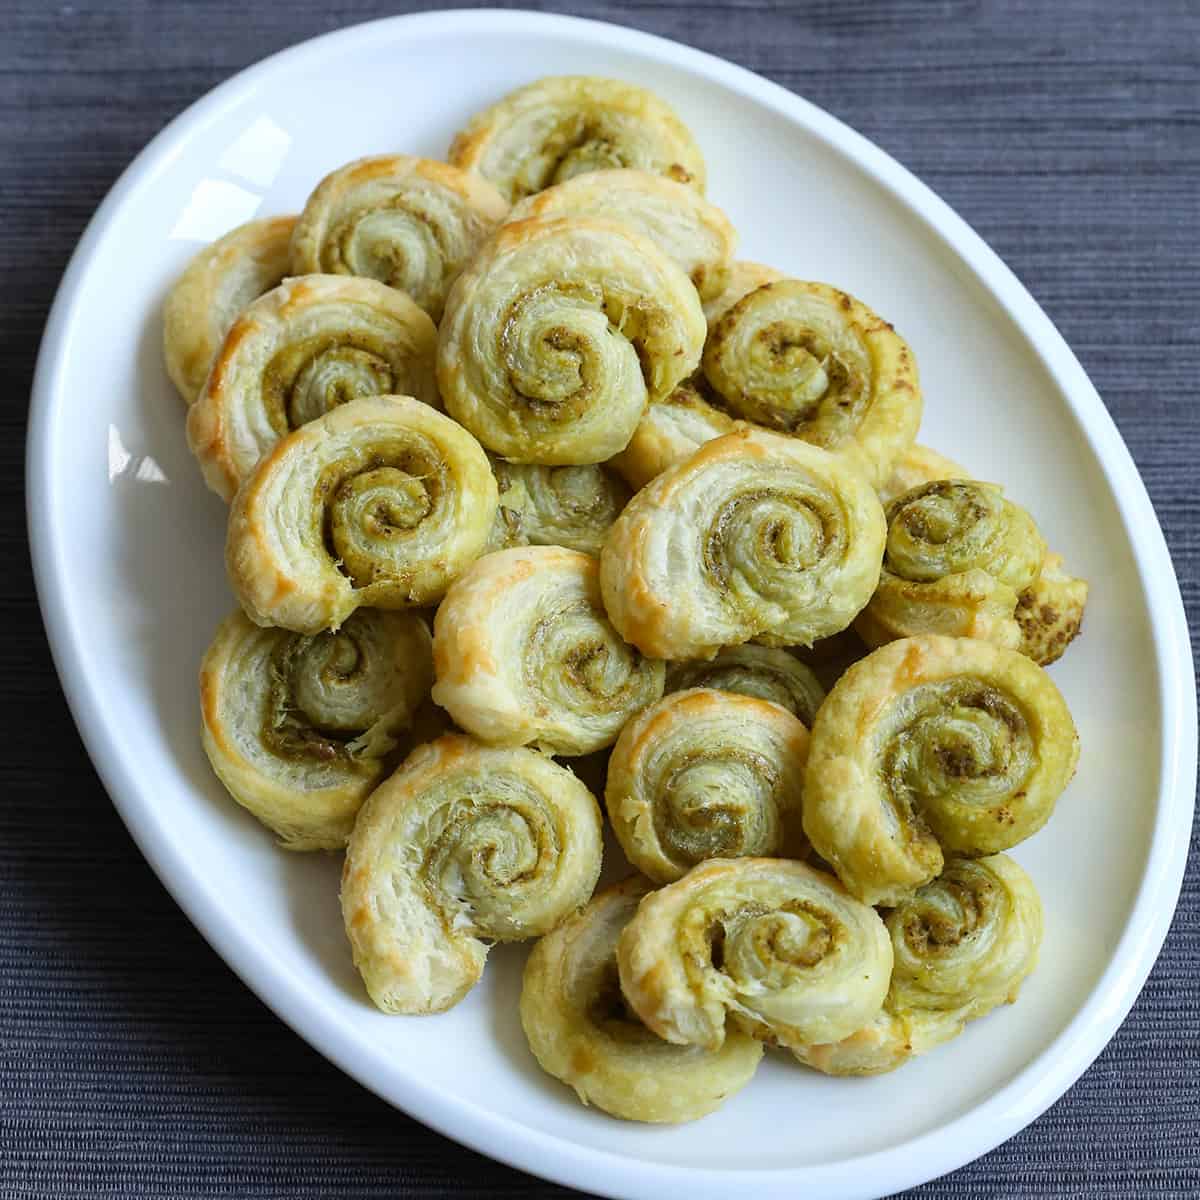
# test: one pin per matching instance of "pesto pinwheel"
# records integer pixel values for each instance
(525, 654)
(465, 845)
(933, 746)
(962, 945)
(812, 361)
(958, 556)
(567, 125)
(306, 347)
(1049, 611)
(756, 535)
(706, 774)
(411, 223)
(581, 1030)
(558, 333)
(298, 728)
(380, 503)
(778, 948)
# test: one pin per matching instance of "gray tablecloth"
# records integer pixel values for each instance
(132, 1062)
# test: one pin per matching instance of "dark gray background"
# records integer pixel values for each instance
(132, 1062)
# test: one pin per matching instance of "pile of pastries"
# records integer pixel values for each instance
(539, 497)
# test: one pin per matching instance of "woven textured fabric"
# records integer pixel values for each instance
(132, 1062)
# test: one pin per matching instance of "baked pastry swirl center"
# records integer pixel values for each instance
(305, 379)
(952, 743)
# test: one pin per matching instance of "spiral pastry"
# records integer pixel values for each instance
(219, 282)
(463, 846)
(524, 654)
(918, 465)
(809, 360)
(966, 941)
(581, 1030)
(957, 557)
(706, 774)
(962, 945)
(742, 278)
(297, 728)
(693, 233)
(932, 744)
(572, 507)
(563, 126)
(670, 431)
(780, 947)
(558, 333)
(754, 536)
(765, 672)
(1050, 611)
(411, 223)
(309, 345)
(380, 503)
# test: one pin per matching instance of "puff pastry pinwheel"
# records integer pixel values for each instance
(524, 654)
(962, 945)
(957, 558)
(556, 506)
(766, 672)
(220, 281)
(311, 344)
(809, 360)
(917, 465)
(967, 940)
(755, 536)
(1050, 611)
(297, 728)
(557, 334)
(707, 774)
(566, 125)
(670, 430)
(782, 949)
(692, 232)
(463, 846)
(409, 222)
(380, 503)
(933, 744)
(582, 1032)
(742, 278)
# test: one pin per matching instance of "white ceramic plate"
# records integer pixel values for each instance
(128, 545)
